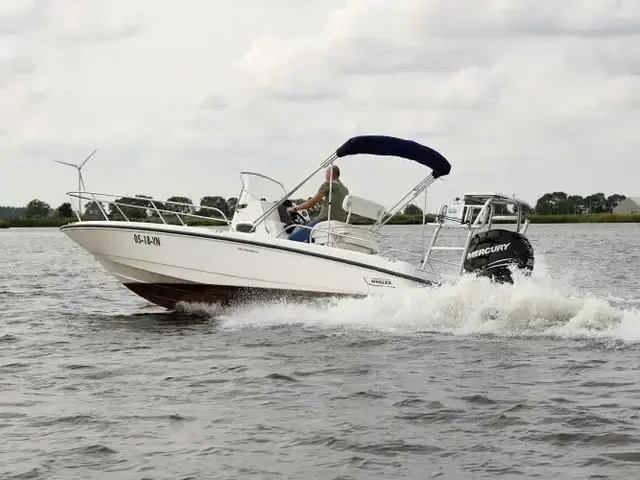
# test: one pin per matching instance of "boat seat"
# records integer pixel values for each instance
(362, 207)
(342, 235)
(345, 235)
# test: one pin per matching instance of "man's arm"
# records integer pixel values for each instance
(309, 203)
(322, 192)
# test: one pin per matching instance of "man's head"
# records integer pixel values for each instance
(332, 172)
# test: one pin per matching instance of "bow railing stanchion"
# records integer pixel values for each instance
(120, 210)
(155, 207)
(99, 205)
(75, 210)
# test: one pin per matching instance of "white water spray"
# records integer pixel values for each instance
(533, 306)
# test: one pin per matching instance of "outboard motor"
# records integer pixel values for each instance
(493, 253)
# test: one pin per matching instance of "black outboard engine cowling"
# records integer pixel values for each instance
(493, 253)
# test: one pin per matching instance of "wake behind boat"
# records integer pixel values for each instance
(252, 258)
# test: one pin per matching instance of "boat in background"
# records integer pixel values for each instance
(251, 258)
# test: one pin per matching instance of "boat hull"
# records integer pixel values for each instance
(168, 264)
(170, 295)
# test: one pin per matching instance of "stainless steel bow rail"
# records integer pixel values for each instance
(146, 204)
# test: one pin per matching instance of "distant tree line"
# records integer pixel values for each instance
(12, 213)
(559, 203)
(139, 207)
(36, 208)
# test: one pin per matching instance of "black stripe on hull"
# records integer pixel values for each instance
(79, 225)
(168, 295)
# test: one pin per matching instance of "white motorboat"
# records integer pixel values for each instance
(250, 257)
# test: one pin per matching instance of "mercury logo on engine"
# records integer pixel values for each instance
(488, 250)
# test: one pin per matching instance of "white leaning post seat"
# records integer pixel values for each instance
(362, 207)
(350, 237)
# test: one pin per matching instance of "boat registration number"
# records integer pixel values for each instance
(146, 239)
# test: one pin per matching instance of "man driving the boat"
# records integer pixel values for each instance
(333, 185)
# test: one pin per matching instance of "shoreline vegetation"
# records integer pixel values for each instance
(56, 222)
(551, 208)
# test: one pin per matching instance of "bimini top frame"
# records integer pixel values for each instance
(381, 145)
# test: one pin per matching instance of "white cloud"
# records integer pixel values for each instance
(521, 96)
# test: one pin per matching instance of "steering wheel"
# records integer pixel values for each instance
(296, 219)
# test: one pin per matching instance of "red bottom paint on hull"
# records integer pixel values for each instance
(168, 295)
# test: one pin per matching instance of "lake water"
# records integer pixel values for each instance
(534, 380)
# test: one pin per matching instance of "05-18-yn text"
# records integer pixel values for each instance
(146, 239)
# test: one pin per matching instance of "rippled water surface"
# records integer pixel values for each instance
(533, 380)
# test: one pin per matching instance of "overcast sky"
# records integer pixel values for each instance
(522, 96)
